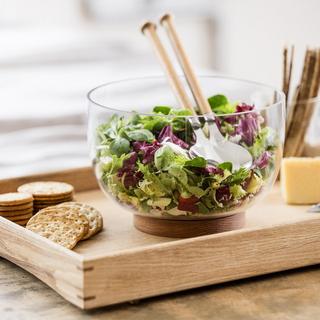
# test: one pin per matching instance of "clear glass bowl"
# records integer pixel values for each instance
(135, 165)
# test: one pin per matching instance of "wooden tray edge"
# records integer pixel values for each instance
(59, 268)
(183, 241)
(260, 251)
(82, 179)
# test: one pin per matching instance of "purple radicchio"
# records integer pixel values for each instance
(248, 125)
(244, 107)
(223, 194)
(230, 119)
(188, 204)
(128, 171)
(167, 134)
(263, 161)
(148, 150)
(212, 170)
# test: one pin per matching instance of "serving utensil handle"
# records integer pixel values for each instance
(167, 22)
(150, 30)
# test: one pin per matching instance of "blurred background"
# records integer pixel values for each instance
(54, 51)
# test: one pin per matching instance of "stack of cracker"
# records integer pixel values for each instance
(17, 207)
(67, 223)
(47, 193)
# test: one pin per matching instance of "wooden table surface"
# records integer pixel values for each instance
(287, 295)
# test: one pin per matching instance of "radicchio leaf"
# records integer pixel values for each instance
(168, 135)
(248, 125)
(129, 171)
(148, 150)
(230, 119)
(263, 161)
(212, 170)
(188, 204)
(223, 194)
(244, 107)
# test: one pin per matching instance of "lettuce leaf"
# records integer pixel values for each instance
(163, 158)
(225, 166)
(159, 202)
(197, 162)
(179, 174)
(238, 176)
(255, 184)
(140, 135)
(162, 109)
(119, 146)
(220, 105)
(237, 191)
(218, 100)
(261, 142)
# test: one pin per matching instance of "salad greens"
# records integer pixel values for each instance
(145, 163)
(220, 104)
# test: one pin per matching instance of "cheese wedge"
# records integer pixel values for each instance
(300, 180)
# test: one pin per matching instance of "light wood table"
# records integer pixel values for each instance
(287, 295)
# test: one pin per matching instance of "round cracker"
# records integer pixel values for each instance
(44, 202)
(40, 205)
(43, 207)
(22, 217)
(36, 210)
(93, 215)
(16, 213)
(14, 198)
(19, 207)
(54, 198)
(68, 213)
(47, 189)
(61, 230)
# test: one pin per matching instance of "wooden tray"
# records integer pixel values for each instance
(122, 264)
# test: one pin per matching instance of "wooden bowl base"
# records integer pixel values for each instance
(188, 228)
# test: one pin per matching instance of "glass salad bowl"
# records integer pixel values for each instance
(140, 140)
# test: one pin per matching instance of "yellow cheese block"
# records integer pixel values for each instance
(300, 180)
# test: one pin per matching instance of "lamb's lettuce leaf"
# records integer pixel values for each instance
(220, 105)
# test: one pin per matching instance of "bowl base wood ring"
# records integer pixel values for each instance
(188, 228)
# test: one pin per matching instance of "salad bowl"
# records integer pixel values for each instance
(140, 144)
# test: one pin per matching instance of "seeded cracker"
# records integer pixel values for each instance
(53, 201)
(19, 207)
(61, 230)
(47, 189)
(14, 198)
(73, 214)
(93, 215)
(15, 213)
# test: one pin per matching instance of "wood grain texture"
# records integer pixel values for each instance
(179, 266)
(188, 228)
(276, 237)
(287, 295)
(149, 29)
(58, 267)
(202, 102)
(121, 263)
(82, 179)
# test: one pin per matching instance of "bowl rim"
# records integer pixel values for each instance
(280, 102)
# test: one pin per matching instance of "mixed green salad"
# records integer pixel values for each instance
(142, 164)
